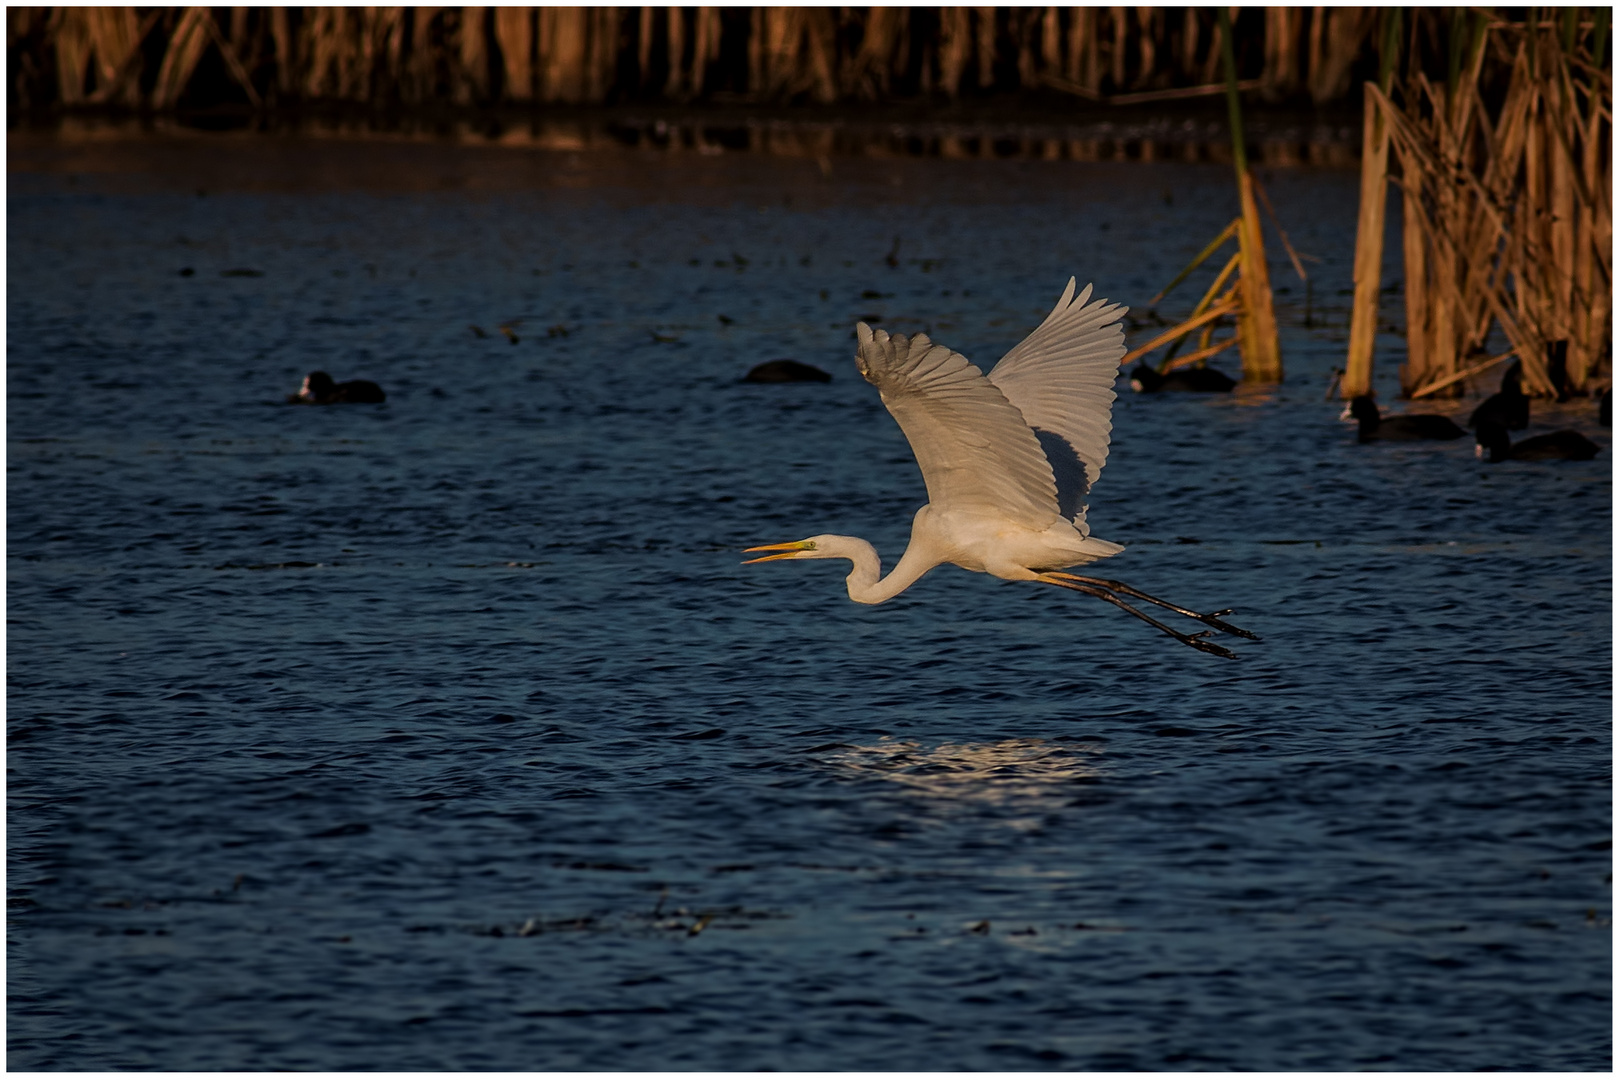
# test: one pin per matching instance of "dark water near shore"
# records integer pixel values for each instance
(450, 733)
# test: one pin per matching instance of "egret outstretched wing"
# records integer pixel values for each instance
(974, 447)
(1061, 378)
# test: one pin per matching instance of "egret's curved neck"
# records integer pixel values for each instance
(865, 581)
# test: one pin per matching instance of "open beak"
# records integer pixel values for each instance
(784, 551)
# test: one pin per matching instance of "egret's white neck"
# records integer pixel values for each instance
(865, 581)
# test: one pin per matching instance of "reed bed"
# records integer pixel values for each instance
(166, 58)
(1242, 289)
(1504, 164)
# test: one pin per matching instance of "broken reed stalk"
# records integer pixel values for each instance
(1202, 306)
(1257, 323)
(1179, 331)
(1357, 377)
(1466, 373)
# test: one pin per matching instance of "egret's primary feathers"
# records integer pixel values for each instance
(1007, 458)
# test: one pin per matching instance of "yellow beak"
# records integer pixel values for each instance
(785, 551)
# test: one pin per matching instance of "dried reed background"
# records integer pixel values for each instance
(163, 58)
(1505, 167)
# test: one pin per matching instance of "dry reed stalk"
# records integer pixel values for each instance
(563, 45)
(185, 49)
(1051, 41)
(1085, 53)
(1343, 30)
(472, 73)
(1189, 40)
(1117, 45)
(1179, 331)
(71, 37)
(1147, 20)
(605, 42)
(1199, 358)
(115, 37)
(233, 63)
(283, 43)
(705, 46)
(868, 75)
(675, 82)
(1217, 43)
(515, 34)
(1281, 76)
(1458, 376)
(1026, 23)
(984, 42)
(1257, 322)
(1229, 299)
(954, 41)
(1356, 379)
(1449, 267)
(821, 34)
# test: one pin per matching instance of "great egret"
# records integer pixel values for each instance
(1006, 457)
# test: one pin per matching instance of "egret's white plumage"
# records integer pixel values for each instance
(1007, 458)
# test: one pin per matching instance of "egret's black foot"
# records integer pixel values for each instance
(1197, 642)
(1213, 619)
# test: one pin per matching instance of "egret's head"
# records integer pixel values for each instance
(814, 548)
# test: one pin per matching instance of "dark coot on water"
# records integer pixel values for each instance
(1408, 428)
(319, 389)
(779, 371)
(1199, 380)
(1508, 406)
(1492, 444)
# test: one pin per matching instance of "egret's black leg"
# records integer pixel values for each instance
(1195, 640)
(1212, 620)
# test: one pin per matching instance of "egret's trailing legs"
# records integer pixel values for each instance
(1212, 619)
(1104, 589)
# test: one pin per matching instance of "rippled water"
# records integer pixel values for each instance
(450, 733)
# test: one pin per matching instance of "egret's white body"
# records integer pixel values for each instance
(1007, 458)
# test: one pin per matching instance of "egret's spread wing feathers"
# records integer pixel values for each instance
(973, 446)
(1061, 378)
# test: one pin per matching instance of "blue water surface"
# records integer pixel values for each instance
(451, 734)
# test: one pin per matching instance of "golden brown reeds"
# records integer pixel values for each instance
(1248, 299)
(1357, 377)
(84, 56)
(1257, 323)
(1506, 219)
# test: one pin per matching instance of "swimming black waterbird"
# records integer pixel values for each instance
(1409, 427)
(1508, 406)
(1198, 380)
(319, 389)
(1492, 443)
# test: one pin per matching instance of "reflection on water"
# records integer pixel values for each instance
(1119, 135)
(1027, 772)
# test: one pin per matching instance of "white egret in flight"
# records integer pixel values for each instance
(1007, 458)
